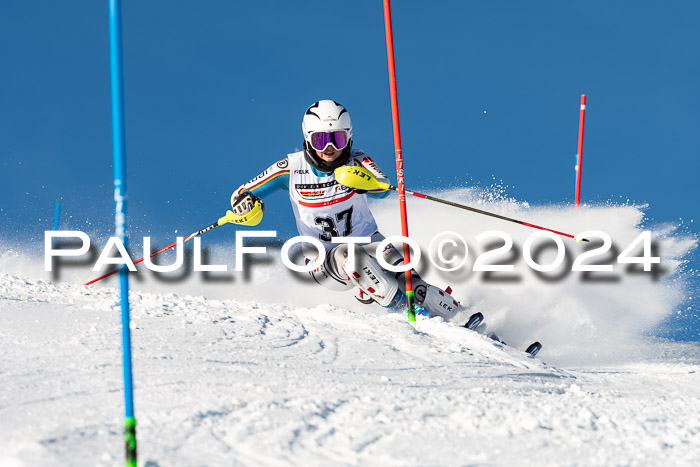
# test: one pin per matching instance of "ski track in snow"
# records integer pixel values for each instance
(226, 382)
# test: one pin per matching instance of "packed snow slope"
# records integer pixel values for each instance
(250, 383)
(267, 368)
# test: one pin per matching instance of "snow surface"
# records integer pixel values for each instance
(265, 368)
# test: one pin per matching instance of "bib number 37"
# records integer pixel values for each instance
(329, 225)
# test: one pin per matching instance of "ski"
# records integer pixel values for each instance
(476, 319)
(534, 348)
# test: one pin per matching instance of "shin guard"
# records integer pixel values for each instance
(367, 275)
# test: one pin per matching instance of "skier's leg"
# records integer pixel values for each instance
(435, 300)
(366, 277)
(374, 282)
(330, 274)
(385, 287)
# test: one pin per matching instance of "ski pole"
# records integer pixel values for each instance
(200, 232)
(250, 219)
(361, 179)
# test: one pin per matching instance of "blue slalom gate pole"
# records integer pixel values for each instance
(119, 154)
(56, 214)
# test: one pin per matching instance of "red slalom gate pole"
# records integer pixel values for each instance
(579, 161)
(399, 156)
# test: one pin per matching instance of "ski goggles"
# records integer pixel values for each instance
(321, 139)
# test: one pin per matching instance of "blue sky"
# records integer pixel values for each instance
(215, 92)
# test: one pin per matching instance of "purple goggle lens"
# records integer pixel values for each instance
(321, 139)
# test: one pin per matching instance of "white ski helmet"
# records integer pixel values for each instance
(327, 117)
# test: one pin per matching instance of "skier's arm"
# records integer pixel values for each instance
(274, 178)
(363, 160)
(246, 202)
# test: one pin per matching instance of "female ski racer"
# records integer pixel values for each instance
(325, 209)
